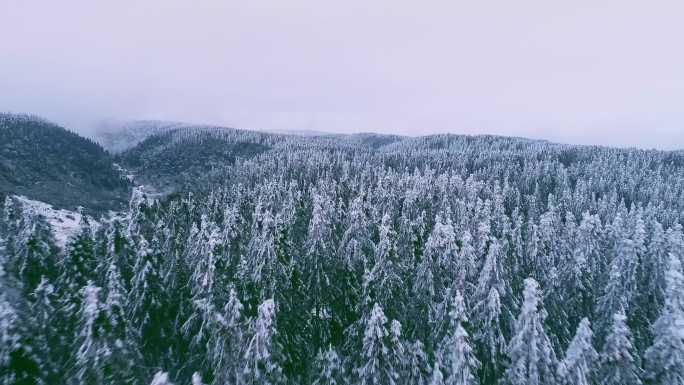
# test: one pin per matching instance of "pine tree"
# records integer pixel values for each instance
(618, 361)
(319, 268)
(468, 256)
(437, 376)
(118, 329)
(225, 342)
(383, 283)
(92, 349)
(41, 303)
(578, 366)
(665, 357)
(37, 259)
(574, 270)
(204, 256)
(328, 369)
(378, 366)
(455, 352)
(78, 267)
(10, 341)
(397, 349)
(621, 289)
(356, 245)
(489, 337)
(442, 253)
(424, 298)
(77, 270)
(531, 355)
(148, 305)
(418, 367)
(259, 266)
(261, 366)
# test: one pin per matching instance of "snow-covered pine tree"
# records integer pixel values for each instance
(417, 364)
(620, 289)
(328, 369)
(119, 331)
(204, 257)
(424, 297)
(318, 273)
(618, 361)
(383, 284)
(41, 304)
(37, 259)
(653, 280)
(258, 266)
(489, 337)
(437, 378)
(92, 351)
(579, 364)
(10, 340)
(226, 338)
(442, 253)
(574, 270)
(147, 304)
(356, 245)
(261, 364)
(467, 257)
(532, 360)
(455, 352)
(397, 349)
(665, 358)
(378, 365)
(78, 267)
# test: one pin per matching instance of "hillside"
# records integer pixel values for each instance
(46, 162)
(184, 158)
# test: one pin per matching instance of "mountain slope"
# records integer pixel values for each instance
(183, 158)
(46, 162)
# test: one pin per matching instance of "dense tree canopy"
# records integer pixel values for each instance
(360, 259)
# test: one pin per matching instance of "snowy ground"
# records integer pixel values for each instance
(128, 175)
(64, 223)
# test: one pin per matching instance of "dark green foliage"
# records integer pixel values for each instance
(45, 162)
(175, 160)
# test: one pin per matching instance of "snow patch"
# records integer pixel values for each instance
(130, 177)
(64, 223)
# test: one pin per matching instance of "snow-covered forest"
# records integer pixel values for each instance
(443, 260)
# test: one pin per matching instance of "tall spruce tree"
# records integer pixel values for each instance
(579, 364)
(665, 358)
(261, 364)
(379, 364)
(456, 354)
(531, 355)
(618, 362)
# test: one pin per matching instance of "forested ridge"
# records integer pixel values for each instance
(441, 260)
(45, 161)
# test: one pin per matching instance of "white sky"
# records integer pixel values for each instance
(596, 72)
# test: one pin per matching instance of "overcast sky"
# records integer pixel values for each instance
(596, 72)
